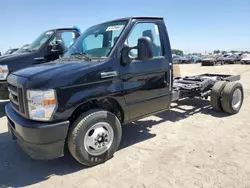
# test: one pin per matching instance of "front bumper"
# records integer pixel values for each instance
(4, 93)
(184, 61)
(40, 140)
(245, 61)
(207, 63)
(229, 61)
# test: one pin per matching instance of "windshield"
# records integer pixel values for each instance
(10, 51)
(246, 55)
(7, 52)
(44, 37)
(97, 41)
(23, 48)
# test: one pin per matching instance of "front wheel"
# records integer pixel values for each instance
(94, 137)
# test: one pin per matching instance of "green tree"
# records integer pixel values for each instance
(233, 51)
(177, 52)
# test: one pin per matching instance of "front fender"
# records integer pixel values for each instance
(70, 98)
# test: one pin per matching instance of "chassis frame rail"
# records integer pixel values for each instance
(199, 85)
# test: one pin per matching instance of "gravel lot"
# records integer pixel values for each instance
(189, 146)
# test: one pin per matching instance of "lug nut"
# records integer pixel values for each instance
(106, 135)
(106, 140)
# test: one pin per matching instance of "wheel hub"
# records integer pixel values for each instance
(99, 138)
(237, 98)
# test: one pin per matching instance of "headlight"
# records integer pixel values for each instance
(41, 104)
(4, 71)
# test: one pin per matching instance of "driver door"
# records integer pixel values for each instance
(145, 83)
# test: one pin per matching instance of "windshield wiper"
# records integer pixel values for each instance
(27, 50)
(81, 55)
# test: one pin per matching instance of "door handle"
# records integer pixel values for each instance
(38, 60)
(109, 74)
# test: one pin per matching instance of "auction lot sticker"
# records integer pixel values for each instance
(114, 28)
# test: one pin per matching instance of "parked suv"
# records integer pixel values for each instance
(232, 59)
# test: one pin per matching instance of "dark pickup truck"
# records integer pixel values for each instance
(115, 73)
(47, 47)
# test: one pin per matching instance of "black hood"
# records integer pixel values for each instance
(59, 73)
(56, 68)
(14, 56)
(17, 60)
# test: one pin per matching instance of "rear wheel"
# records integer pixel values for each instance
(232, 98)
(216, 95)
(94, 137)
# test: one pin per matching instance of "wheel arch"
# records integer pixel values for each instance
(109, 103)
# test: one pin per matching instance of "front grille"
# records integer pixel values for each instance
(16, 98)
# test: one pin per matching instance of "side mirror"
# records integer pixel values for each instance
(56, 47)
(143, 51)
(145, 48)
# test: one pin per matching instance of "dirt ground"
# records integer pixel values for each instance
(189, 146)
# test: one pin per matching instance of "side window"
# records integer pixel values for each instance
(66, 37)
(150, 30)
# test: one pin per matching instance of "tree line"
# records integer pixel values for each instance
(180, 52)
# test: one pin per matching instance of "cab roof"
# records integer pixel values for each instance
(59, 29)
(136, 17)
(140, 17)
(66, 28)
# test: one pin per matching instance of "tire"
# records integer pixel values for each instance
(82, 128)
(216, 95)
(229, 91)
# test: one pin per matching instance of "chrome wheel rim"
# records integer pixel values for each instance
(237, 98)
(98, 138)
